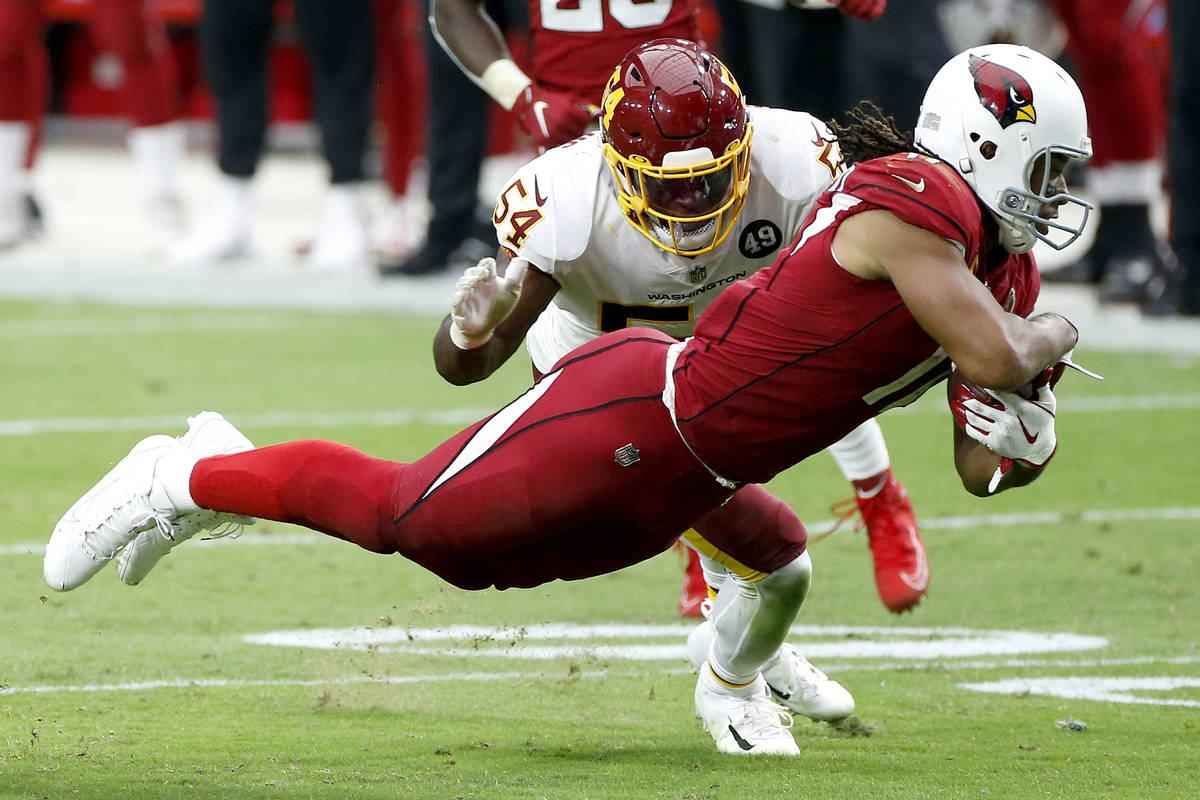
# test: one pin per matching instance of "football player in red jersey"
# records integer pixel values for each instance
(574, 48)
(915, 258)
(141, 65)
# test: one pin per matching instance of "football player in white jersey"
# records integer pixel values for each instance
(591, 242)
(605, 256)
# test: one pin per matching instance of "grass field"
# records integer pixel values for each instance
(1075, 599)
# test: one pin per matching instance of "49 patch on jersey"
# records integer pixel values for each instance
(759, 239)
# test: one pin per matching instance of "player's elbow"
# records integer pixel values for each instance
(454, 373)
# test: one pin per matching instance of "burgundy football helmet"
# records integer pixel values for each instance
(677, 138)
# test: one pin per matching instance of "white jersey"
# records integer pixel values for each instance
(560, 212)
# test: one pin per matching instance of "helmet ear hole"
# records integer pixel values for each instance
(988, 150)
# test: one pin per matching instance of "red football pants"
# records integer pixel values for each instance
(582, 475)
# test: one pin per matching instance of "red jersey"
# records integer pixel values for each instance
(578, 43)
(791, 360)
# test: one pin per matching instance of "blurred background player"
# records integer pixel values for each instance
(402, 107)
(574, 48)
(1181, 293)
(143, 69)
(457, 233)
(588, 272)
(337, 39)
(1120, 53)
(792, 38)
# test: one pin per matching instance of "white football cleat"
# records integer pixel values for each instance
(803, 688)
(209, 434)
(129, 499)
(743, 720)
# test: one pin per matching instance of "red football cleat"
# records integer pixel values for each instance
(901, 565)
(695, 590)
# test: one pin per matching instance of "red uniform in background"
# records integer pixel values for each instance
(585, 473)
(142, 68)
(124, 28)
(1121, 52)
(577, 45)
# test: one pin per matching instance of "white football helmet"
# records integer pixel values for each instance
(996, 112)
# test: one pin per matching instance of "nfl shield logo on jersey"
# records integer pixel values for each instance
(698, 274)
(626, 455)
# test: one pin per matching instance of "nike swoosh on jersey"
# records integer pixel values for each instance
(917, 186)
(537, 194)
(1024, 430)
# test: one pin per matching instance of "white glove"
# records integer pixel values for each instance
(1011, 426)
(482, 300)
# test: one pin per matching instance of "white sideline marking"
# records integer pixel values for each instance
(1110, 690)
(850, 641)
(931, 523)
(461, 416)
(221, 683)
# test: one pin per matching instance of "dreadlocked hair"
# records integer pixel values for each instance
(866, 131)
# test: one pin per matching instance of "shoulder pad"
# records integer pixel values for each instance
(922, 191)
(544, 212)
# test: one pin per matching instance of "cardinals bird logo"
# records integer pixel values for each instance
(1002, 91)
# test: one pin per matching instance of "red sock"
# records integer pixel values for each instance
(326, 486)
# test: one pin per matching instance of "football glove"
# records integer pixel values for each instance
(551, 118)
(482, 300)
(1008, 424)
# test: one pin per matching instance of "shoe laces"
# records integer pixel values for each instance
(799, 674)
(842, 511)
(761, 716)
(220, 525)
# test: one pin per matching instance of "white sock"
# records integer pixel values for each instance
(233, 203)
(722, 684)
(862, 452)
(173, 474)
(159, 151)
(14, 138)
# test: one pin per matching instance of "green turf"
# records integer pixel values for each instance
(282, 722)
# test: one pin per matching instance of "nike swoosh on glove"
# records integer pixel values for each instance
(551, 118)
(482, 300)
(1008, 424)
(863, 9)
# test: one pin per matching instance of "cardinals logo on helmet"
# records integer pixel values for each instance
(1002, 91)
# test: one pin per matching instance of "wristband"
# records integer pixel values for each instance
(504, 81)
(463, 342)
